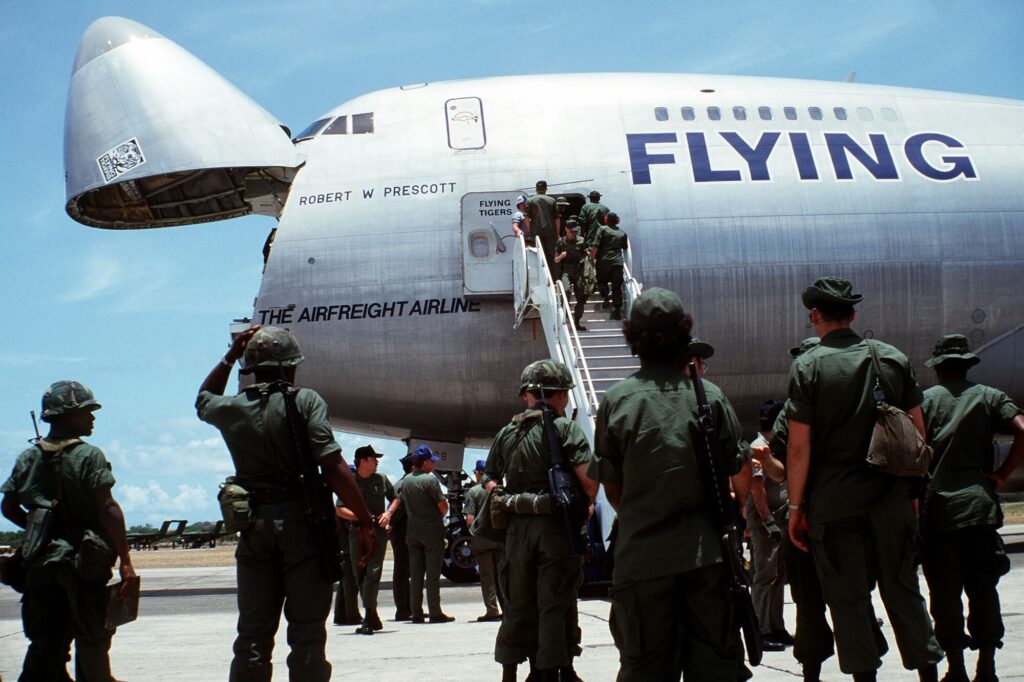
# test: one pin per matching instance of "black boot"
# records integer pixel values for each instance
(865, 677)
(986, 670)
(812, 672)
(508, 672)
(929, 673)
(568, 674)
(956, 671)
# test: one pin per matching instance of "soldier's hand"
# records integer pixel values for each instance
(798, 529)
(366, 538)
(129, 582)
(239, 343)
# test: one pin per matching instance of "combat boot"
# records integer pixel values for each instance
(568, 674)
(986, 669)
(812, 672)
(509, 672)
(865, 677)
(929, 673)
(956, 671)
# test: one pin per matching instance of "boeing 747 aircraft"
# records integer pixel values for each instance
(394, 261)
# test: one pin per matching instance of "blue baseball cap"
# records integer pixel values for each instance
(480, 465)
(423, 451)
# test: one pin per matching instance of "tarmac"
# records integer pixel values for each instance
(187, 618)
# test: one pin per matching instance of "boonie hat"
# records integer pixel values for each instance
(480, 465)
(805, 345)
(699, 349)
(67, 396)
(366, 452)
(656, 308)
(830, 290)
(423, 452)
(951, 347)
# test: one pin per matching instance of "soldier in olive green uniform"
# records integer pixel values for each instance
(544, 223)
(592, 216)
(277, 558)
(426, 507)
(858, 523)
(963, 550)
(346, 602)
(400, 551)
(486, 552)
(607, 247)
(380, 498)
(540, 576)
(570, 253)
(674, 615)
(65, 602)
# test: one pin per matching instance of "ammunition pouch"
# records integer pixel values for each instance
(235, 506)
(38, 532)
(94, 560)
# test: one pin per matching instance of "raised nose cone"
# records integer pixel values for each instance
(153, 137)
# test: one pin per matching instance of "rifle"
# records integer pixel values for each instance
(725, 511)
(569, 499)
(317, 499)
(35, 425)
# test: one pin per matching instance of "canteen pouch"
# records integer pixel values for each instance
(14, 571)
(94, 560)
(499, 511)
(235, 506)
(38, 532)
(897, 447)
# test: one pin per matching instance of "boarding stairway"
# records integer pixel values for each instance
(598, 357)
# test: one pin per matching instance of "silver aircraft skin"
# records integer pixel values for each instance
(392, 258)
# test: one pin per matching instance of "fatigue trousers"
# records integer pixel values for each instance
(769, 582)
(425, 558)
(400, 575)
(279, 565)
(850, 555)
(346, 602)
(966, 560)
(610, 273)
(368, 577)
(539, 579)
(570, 282)
(678, 625)
(487, 562)
(56, 609)
(814, 640)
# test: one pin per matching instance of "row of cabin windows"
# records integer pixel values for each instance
(362, 124)
(789, 113)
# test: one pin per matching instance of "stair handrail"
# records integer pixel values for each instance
(633, 288)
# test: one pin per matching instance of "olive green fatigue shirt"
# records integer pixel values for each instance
(610, 242)
(377, 491)
(519, 453)
(84, 470)
(420, 493)
(961, 419)
(647, 440)
(473, 506)
(590, 217)
(542, 211)
(830, 389)
(258, 437)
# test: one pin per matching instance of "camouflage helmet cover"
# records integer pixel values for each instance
(271, 347)
(66, 396)
(546, 375)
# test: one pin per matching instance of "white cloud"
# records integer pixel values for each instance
(99, 274)
(25, 359)
(191, 502)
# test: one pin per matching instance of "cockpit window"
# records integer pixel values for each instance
(310, 132)
(339, 127)
(362, 123)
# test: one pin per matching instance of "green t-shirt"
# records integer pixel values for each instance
(961, 419)
(420, 493)
(648, 441)
(83, 471)
(258, 436)
(830, 390)
(519, 453)
(542, 211)
(610, 243)
(377, 491)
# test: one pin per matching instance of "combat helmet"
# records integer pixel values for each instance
(271, 347)
(545, 375)
(66, 396)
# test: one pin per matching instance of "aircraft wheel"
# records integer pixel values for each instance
(459, 563)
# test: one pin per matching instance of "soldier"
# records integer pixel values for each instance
(377, 492)
(540, 571)
(673, 616)
(562, 207)
(962, 548)
(544, 222)
(426, 507)
(400, 551)
(592, 216)
(277, 557)
(607, 248)
(487, 552)
(65, 596)
(857, 522)
(570, 253)
(346, 602)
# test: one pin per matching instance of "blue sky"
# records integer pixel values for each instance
(141, 316)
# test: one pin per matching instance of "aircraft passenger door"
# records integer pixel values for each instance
(487, 243)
